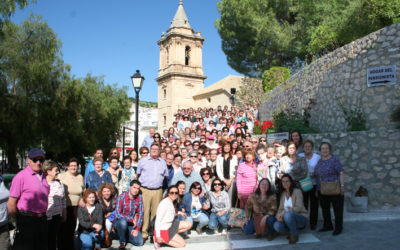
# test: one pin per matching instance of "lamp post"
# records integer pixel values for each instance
(137, 82)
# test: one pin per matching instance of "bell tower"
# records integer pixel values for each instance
(180, 73)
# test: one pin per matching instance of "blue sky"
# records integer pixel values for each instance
(113, 38)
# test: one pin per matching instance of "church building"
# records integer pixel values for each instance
(181, 74)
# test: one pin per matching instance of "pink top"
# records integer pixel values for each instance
(31, 190)
(246, 179)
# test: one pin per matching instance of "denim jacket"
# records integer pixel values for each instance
(187, 203)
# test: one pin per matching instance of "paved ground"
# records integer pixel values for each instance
(376, 230)
(356, 235)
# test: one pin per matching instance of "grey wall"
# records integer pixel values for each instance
(343, 74)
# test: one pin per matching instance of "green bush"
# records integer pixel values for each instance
(274, 76)
(287, 120)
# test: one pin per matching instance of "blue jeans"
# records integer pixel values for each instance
(87, 240)
(291, 222)
(202, 219)
(249, 229)
(124, 232)
(215, 219)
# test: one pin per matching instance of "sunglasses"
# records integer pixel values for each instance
(197, 188)
(217, 184)
(206, 174)
(41, 160)
(193, 156)
(173, 192)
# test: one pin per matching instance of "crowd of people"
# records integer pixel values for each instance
(185, 178)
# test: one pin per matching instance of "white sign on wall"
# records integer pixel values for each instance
(384, 75)
(271, 137)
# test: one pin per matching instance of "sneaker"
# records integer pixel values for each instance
(156, 244)
(199, 231)
(121, 247)
(224, 232)
(216, 231)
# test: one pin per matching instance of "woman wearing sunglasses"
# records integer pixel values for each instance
(167, 229)
(194, 206)
(220, 202)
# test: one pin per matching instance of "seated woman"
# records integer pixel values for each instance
(166, 226)
(262, 205)
(193, 205)
(220, 203)
(292, 215)
(107, 200)
(90, 220)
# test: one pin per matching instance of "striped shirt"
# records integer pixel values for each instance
(220, 203)
(57, 201)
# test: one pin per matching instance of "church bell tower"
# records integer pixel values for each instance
(180, 73)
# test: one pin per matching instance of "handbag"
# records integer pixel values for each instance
(107, 241)
(306, 183)
(329, 188)
(237, 217)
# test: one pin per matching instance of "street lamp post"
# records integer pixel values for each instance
(137, 82)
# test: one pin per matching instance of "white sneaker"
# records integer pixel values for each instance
(224, 232)
(216, 231)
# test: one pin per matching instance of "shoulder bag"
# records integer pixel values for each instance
(328, 188)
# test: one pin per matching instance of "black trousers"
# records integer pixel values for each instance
(311, 197)
(32, 233)
(66, 232)
(53, 226)
(337, 202)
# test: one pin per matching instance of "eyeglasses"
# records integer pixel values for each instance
(217, 184)
(197, 188)
(193, 156)
(206, 174)
(173, 192)
(41, 160)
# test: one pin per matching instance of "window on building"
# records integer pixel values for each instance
(165, 93)
(187, 55)
(167, 56)
(165, 120)
(209, 99)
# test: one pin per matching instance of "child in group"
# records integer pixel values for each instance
(267, 167)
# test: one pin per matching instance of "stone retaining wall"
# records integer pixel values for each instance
(342, 75)
(370, 159)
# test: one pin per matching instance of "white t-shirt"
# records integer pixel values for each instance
(196, 207)
(288, 204)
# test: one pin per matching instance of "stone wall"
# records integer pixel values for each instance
(342, 75)
(370, 159)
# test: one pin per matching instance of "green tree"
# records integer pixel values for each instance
(30, 71)
(42, 105)
(259, 34)
(274, 76)
(87, 115)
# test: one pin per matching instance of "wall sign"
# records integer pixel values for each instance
(384, 75)
(271, 137)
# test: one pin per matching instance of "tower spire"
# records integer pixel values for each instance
(180, 19)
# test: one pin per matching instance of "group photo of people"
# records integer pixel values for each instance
(182, 181)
